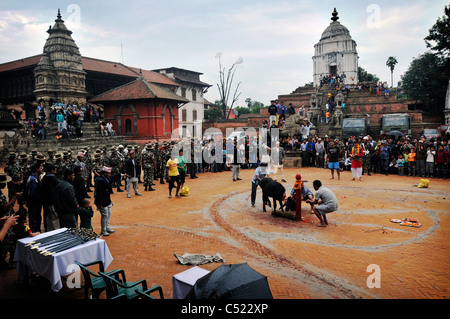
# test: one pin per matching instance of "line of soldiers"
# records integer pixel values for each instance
(151, 161)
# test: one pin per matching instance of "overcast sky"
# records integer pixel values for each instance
(274, 38)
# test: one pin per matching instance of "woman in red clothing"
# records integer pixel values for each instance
(356, 154)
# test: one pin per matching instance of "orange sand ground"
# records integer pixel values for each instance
(301, 260)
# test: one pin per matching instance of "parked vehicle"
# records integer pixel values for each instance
(430, 133)
(356, 126)
(395, 122)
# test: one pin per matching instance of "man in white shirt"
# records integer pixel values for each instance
(260, 173)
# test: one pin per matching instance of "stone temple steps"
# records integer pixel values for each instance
(91, 138)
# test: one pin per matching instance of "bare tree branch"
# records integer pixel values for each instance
(225, 85)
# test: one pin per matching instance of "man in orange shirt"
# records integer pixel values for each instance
(412, 162)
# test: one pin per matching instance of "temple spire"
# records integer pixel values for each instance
(334, 15)
(59, 17)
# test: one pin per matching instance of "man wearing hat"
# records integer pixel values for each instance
(13, 170)
(103, 191)
(115, 163)
(58, 165)
(148, 164)
(97, 165)
(165, 156)
(80, 162)
(131, 172)
(6, 233)
(157, 157)
(88, 162)
(367, 154)
(51, 157)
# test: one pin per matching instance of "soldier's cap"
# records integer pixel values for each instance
(23, 156)
(33, 152)
(65, 153)
(12, 155)
(50, 151)
(40, 157)
(148, 147)
(58, 155)
(113, 149)
(98, 151)
(4, 178)
(120, 146)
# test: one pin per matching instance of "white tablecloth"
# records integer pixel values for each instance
(184, 281)
(60, 264)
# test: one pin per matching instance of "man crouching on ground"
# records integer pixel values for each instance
(326, 200)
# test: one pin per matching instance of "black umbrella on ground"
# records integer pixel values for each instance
(395, 133)
(238, 281)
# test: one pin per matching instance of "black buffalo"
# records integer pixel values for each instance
(271, 188)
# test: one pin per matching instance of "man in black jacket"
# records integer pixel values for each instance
(48, 184)
(66, 201)
(103, 191)
(132, 171)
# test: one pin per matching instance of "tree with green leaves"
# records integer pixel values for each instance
(364, 76)
(427, 77)
(391, 63)
(438, 39)
(426, 81)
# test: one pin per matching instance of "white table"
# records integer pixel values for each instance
(184, 281)
(60, 264)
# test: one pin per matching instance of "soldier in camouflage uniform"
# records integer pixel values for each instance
(51, 157)
(148, 165)
(13, 170)
(97, 165)
(165, 156)
(115, 162)
(157, 157)
(66, 162)
(88, 162)
(367, 154)
(59, 166)
(7, 244)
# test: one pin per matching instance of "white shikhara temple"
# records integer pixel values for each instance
(335, 53)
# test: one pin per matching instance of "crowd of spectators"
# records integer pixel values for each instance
(404, 156)
(69, 119)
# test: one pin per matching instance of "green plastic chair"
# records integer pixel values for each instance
(116, 285)
(92, 281)
(147, 294)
